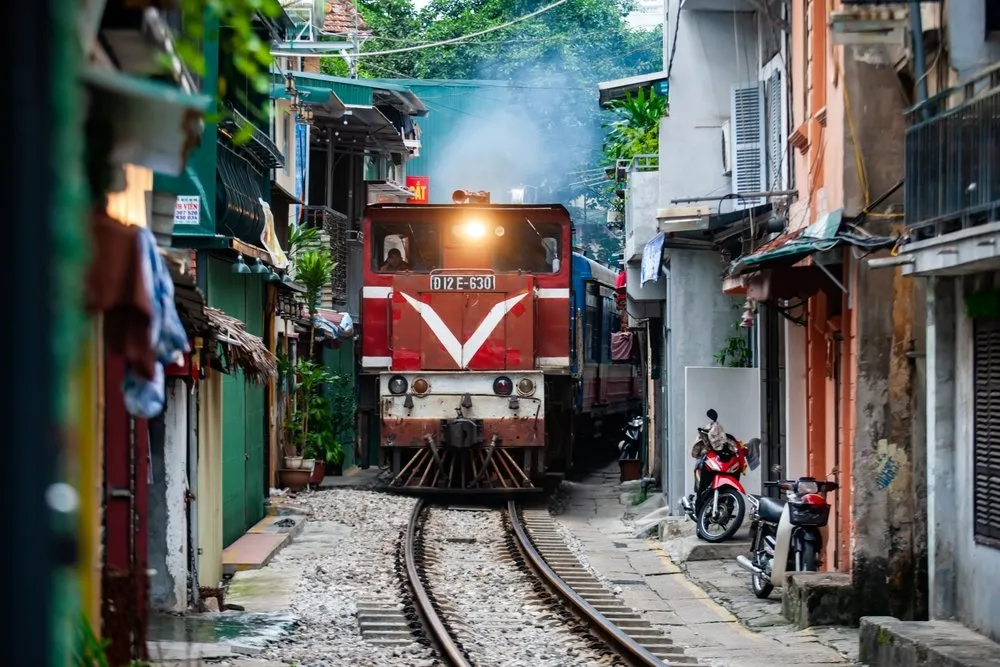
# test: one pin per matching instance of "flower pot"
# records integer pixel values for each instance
(307, 464)
(318, 473)
(295, 479)
(631, 469)
(293, 462)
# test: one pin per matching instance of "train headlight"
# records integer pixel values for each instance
(502, 386)
(420, 386)
(526, 387)
(397, 385)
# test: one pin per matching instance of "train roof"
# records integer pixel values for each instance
(488, 207)
(588, 269)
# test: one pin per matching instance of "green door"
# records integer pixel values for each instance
(243, 409)
(256, 412)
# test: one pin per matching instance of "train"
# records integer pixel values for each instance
(485, 360)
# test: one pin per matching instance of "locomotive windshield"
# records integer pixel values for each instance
(507, 246)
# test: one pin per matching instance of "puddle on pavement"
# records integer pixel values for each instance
(231, 627)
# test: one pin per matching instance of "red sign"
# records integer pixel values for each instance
(419, 187)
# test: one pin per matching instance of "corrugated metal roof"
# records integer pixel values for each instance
(450, 103)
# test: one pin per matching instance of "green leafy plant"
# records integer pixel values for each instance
(308, 402)
(249, 54)
(313, 270)
(300, 239)
(89, 650)
(735, 353)
(635, 131)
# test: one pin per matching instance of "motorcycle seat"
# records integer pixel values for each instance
(770, 509)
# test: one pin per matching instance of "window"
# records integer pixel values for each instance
(749, 155)
(403, 247)
(986, 431)
(592, 325)
(992, 19)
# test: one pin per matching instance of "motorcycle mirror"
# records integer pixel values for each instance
(753, 453)
(712, 414)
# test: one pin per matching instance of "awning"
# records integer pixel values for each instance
(388, 189)
(241, 349)
(827, 233)
(189, 301)
(280, 194)
(618, 89)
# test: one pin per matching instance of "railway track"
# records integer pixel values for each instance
(604, 625)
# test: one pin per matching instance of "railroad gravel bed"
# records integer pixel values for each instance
(492, 604)
(359, 566)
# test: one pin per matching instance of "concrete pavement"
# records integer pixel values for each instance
(749, 633)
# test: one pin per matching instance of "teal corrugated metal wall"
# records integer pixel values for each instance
(450, 103)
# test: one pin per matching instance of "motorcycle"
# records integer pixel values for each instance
(718, 499)
(785, 534)
(629, 447)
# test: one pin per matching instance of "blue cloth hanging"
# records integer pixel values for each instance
(145, 398)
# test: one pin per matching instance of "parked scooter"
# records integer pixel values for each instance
(629, 448)
(785, 534)
(718, 500)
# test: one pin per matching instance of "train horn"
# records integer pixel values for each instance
(465, 197)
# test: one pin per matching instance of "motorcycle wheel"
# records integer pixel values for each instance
(705, 516)
(809, 557)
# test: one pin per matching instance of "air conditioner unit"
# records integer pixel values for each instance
(727, 166)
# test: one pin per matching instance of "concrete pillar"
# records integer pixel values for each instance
(942, 524)
(168, 529)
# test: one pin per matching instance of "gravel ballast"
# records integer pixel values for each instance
(357, 566)
(491, 602)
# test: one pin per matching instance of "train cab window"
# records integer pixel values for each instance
(397, 248)
(528, 247)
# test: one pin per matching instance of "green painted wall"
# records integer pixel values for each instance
(243, 406)
(199, 177)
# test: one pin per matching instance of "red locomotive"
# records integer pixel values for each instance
(467, 354)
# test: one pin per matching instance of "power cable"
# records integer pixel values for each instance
(462, 38)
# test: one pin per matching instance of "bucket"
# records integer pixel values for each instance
(631, 470)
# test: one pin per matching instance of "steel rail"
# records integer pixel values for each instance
(626, 647)
(439, 634)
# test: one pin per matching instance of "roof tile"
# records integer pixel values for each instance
(340, 18)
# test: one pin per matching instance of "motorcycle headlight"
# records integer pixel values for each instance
(808, 487)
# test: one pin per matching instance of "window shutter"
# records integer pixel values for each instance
(749, 160)
(986, 433)
(776, 137)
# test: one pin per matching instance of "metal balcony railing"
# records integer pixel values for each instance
(953, 158)
(645, 162)
(333, 234)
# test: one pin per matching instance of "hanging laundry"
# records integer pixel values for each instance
(145, 397)
(114, 285)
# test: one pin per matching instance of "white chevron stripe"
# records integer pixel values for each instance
(462, 354)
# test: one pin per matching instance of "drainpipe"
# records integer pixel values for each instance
(919, 58)
(666, 385)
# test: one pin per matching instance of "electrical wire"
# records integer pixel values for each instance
(460, 38)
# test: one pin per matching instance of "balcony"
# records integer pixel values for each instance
(640, 204)
(953, 159)
(333, 235)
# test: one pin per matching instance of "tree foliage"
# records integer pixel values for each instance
(554, 61)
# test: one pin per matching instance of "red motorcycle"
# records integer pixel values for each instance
(718, 505)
